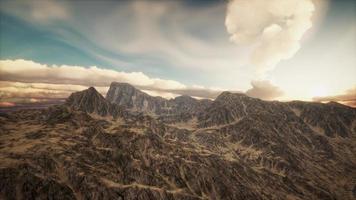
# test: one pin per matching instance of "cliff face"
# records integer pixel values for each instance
(135, 100)
(235, 147)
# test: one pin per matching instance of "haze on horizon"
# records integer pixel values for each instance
(295, 50)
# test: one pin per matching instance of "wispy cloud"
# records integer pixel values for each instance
(154, 33)
(43, 11)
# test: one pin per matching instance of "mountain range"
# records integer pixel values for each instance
(130, 145)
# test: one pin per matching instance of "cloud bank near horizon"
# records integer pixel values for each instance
(22, 80)
(347, 98)
(26, 81)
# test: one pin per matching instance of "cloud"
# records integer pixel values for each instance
(205, 93)
(43, 11)
(47, 86)
(28, 79)
(24, 93)
(7, 104)
(264, 90)
(22, 80)
(273, 28)
(156, 93)
(17, 91)
(138, 34)
(165, 31)
(348, 98)
(32, 72)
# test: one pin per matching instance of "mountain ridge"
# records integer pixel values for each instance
(235, 147)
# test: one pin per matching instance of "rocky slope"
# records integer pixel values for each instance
(236, 147)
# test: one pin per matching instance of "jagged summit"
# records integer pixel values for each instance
(127, 95)
(91, 101)
(122, 93)
(115, 83)
(92, 89)
(227, 108)
(184, 99)
(85, 96)
(123, 85)
(226, 95)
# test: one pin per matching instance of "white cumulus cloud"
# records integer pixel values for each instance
(32, 72)
(264, 89)
(26, 78)
(273, 28)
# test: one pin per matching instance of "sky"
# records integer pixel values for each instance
(274, 50)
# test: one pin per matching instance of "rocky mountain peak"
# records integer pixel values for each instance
(90, 94)
(89, 100)
(127, 95)
(124, 94)
(184, 99)
(91, 89)
(227, 108)
(228, 96)
(123, 86)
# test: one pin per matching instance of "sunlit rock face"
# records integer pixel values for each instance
(235, 147)
(90, 101)
(135, 100)
(126, 95)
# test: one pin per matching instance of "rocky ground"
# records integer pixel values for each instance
(235, 147)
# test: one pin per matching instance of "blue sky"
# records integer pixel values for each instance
(40, 42)
(183, 41)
